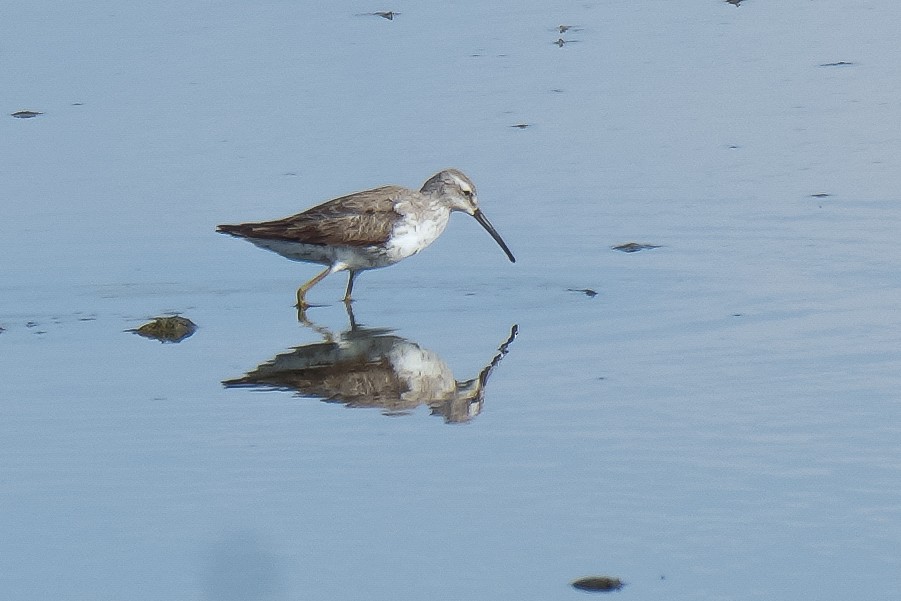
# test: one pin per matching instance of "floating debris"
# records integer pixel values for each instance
(586, 291)
(634, 247)
(385, 14)
(820, 195)
(26, 114)
(560, 43)
(598, 584)
(736, 3)
(522, 125)
(838, 64)
(167, 329)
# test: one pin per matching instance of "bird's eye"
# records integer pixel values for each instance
(467, 193)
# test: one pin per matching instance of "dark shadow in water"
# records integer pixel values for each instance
(369, 367)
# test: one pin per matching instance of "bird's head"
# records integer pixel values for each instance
(458, 193)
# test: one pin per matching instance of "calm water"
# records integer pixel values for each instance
(721, 421)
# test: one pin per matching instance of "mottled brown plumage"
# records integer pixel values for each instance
(361, 219)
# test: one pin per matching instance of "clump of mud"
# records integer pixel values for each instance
(598, 584)
(167, 329)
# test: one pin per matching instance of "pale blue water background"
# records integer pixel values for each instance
(721, 422)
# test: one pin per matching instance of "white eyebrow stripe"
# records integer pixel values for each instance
(463, 185)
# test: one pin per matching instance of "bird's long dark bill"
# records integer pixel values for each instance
(483, 221)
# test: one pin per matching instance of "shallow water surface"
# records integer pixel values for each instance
(718, 420)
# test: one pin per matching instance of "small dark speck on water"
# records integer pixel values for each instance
(634, 247)
(31, 324)
(736, 315)
(820, 195)
(598, 584)
(522, 125)
(838, 64)
(735, 2)
(557, 91)
(586, 291)
(78, 104)
(26, 114)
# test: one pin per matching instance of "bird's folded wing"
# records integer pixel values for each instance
(360, 219)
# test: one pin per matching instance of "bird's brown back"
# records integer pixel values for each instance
(359, 219)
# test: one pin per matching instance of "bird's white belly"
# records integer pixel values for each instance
(356, 258)
(411, 235)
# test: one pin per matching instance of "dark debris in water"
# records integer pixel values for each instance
(598, 584)
(735, 2)
(586, 291)
(522, 125)
(26, 114)
(167, 329)
(820, 195)
(634, 247)
(837, 64)
(385, 14)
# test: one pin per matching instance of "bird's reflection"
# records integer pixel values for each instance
(370, 367)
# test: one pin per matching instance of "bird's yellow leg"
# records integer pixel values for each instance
(302, 291)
